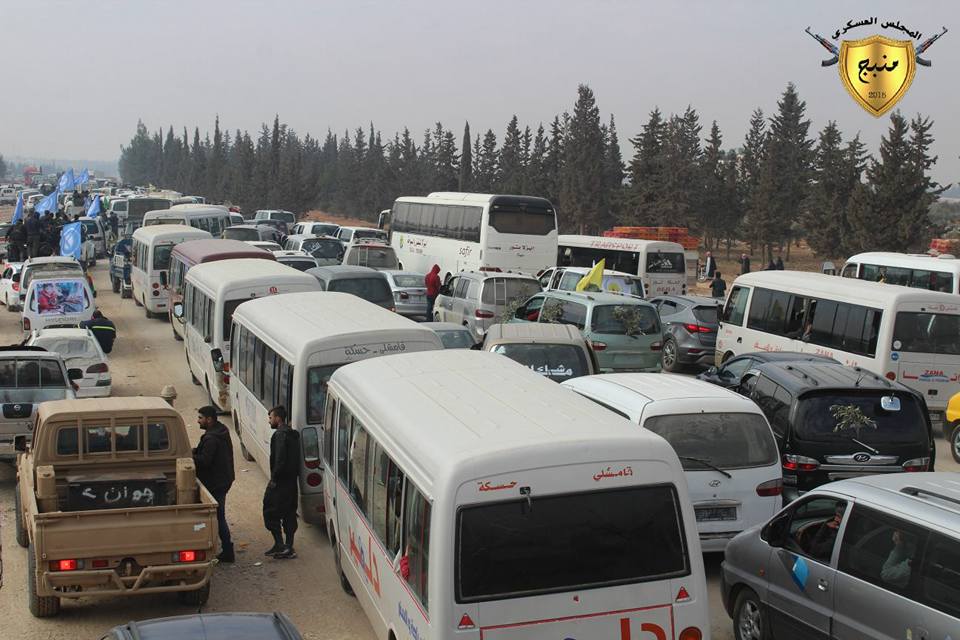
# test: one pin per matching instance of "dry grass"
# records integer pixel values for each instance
(343, 221)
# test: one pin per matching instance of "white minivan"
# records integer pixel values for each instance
(723, 440)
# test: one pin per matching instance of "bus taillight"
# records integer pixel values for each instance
(314, 479)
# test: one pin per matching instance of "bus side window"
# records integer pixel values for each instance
(359, 475)
(329, 421)
(344, 434)
(416, 540)
(386, 488)
(849, 270)
(736, 306)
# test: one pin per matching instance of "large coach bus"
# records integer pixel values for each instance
(286, 349)
(469, 497)
(661, 265)
(921, 272)
(903, 334)
(473, 231)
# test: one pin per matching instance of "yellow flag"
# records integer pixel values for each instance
(593, 281)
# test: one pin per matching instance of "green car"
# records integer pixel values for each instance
(624, 332)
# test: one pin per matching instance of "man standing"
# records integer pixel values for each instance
(744, 263)
(213, 458)
(718, 286)
(280, 498)
(432, 282)
(711, 266)
(103, 330)
(33, 235)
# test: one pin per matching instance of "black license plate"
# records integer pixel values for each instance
(714, 514)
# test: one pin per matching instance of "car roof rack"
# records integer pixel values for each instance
(917, 492)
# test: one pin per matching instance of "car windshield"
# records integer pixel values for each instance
(455, 338)
(707, 314)
(372, 289)
(622, 319)
(501, 291)
(552, 543)
(927, 333)
(369, 233)
(406, 281)
(161, 256)
(233, 233)
(832, 416)
(324, 229)
(663, 262)
(374, 257)
(725, 440)
(322, 248)
(555, 361)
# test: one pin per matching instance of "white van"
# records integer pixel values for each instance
(469, 497)
(724, 442)
(56, 301)
(301, 339)
(212, 292)
(150, 256)
(208, 217)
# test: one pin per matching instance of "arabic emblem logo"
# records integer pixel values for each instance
(877, 71)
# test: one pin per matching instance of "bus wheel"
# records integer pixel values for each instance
(344, 583)
(135, 301)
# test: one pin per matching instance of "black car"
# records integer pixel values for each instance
(689, 330)
(729, 373)
(833, 422)
(210, 626)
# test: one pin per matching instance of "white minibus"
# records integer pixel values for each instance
(150, 256)
(922, 272)
(286, 349)
(474, 232)
(661, 265)
(903, 334)
(469, 497)
(212, 218)
(212, 292)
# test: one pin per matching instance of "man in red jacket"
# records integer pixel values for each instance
(432, 282)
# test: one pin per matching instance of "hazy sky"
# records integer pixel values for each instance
(84, 72)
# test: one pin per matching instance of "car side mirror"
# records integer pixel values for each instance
(74, 374)
(16, 277)
(178, 311)
(20, 444)
(444, 290)
(217, 357)
(163, 278)
(774, 532)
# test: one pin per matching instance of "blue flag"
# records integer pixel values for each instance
(70, 240)
(67, 181)
(48, 204)
(84, 177)
(94, 207)
(18, 212)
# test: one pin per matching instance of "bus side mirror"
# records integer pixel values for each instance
(163, 278)
(178, 311)
(217, 356)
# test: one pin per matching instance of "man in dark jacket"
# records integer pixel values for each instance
(432, 283)
(33, 235)
(103, 329)
(280, 498)
(16, 241)
(213, 458)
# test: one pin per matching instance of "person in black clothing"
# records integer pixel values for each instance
(33, 235)
(718, 286)
(103, 330)
(744, 263)
(213, 458)
(16, 239)
(771, 266)
(779, 263)
(280, 498)
(821, 547)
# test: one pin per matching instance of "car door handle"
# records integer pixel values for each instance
(823, 585)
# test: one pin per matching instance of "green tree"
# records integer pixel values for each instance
(582, 186)
(511, 164)
(646, 172)
(486, 174)
(713, 195)
(466, 161)
(553, 160)
(679, 197)
(136, 159)
(3, 167)
(536, 179)
(613, 170)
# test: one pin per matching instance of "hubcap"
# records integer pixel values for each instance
(669, 353)
(749, 623)
(956, 444)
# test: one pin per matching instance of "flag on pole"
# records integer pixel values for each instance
(70, 240)
(18, 211)
(48, 204)
(84, 177)
(593, 281)
(94, 207)
(67, 181)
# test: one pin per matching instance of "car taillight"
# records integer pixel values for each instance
(890, 375)
(697, 328)
(65, 565)
(314, 479)
(597, 346)
(26, 323)
(189, 556)
(770, 488)
(656, 346)
(690, 633)
(483, 315)
(100, 367)
(917, 464)
(799, 463)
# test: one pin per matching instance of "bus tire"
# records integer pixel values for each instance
(146, 311)
(40, 606)
(344, 583)
(115, 284)
(19, 525)
(955, 443)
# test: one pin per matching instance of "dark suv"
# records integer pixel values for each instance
(689, 330)
(833, 422)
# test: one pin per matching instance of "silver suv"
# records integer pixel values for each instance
(478, 299)
(872, 557)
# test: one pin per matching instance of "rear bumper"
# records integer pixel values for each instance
(312, 508)
(716, 542)
(412, 309)
(107, 582)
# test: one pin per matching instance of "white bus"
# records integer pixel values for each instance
(473, 231)
(212, 218)
(286, 349)
(921, 272)
(903, 334)
(661, 265)
(150, 256)
(212, 292)
(469, 497)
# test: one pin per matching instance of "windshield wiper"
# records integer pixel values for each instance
(866, 446)
(707, 463)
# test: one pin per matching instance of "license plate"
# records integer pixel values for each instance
(713, 514)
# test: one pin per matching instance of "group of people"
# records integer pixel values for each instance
(718, 285)
(34, 235)
(213, 458)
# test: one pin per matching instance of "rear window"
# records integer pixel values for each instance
(459, 339)
(500, 291)
(621, 319)
(161, 256)
(927, 333)
(372, 289)
(324, 229)
(507, 219)
(90, 227)
(409, 282)
(233, 233)
(661, 262)
(25, 380)
(369, 233)
(725, 440)
(832, 416)
(555, 361)
(569, 542)
(707, 314)
(374, 257)
(299, 265)
(322, 248)
(68, 347)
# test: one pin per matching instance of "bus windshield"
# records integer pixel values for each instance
(532, 223)
(927, 333)
(665, 263)
(568, 542)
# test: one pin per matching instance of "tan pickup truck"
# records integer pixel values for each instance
(107, 503)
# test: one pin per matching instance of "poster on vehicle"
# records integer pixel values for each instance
(60, 297)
